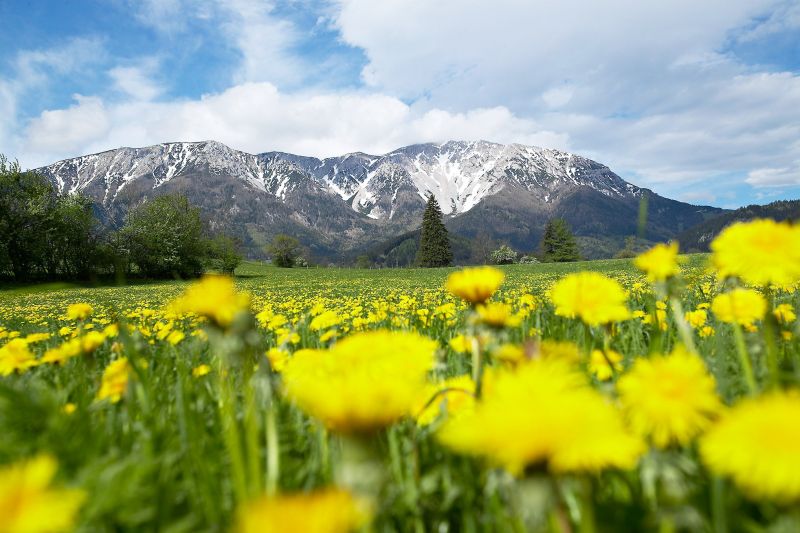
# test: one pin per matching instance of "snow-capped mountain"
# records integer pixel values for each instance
(341, 202)
(460, 174)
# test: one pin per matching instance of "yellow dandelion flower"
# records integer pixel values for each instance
(36, 337)
(115, 380)
(509, 353)
(324, 320)
(594, 298)
(739, 306)
(79, 311)
(175, 337)
(29, 502)
(325, 511)
(214, 297)
(784, 313)
(497, 315)
(760, 252)
(460, 344)
(69, 408)
(563, 350)
(671, 399)
(15, 357)
(757, 444)
(659, 262)
(346, 387)
(92, 341)
(201, 370)
(697, 318)
(277, 359)
(475, 285)
(572, 428)
(603, 366)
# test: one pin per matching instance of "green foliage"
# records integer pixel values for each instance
(44, 234)
(362, 261)
(222, 254)
(558, 242)
(163, 238)
(285, 251)
(434, 242)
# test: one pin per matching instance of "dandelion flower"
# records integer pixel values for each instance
(497, 315)
(590, 296)
(544, 413)
(760, 252)
(671, 399)
(214, 297)
(15, 357)
(201, 370)
(115, 380)
(784, 313)
(364, 382)
(324, 511)
(79, 311)
(659, 262)
(603, 366)
(739, 306)
(757, 444)
(29, 502)
(475, 285)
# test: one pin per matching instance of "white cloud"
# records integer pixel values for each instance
(136, 81)
(775, 177)
(257, 117)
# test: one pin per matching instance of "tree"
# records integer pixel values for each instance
(362, 261)
(223, 254)
(284, 250)
(558, 242)
(482, 246)
(434, 242)
(504, 255)
(164, 237)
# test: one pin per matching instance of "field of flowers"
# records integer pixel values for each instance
(659, 394)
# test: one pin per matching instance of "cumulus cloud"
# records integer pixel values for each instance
(257, 117)
(136, 81)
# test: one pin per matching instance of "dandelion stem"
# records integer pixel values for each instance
(273, 450)
(744, 359)
(684, 330)
(718, 517)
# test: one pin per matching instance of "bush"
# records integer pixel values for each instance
(504, 256)
(285, 251)
(528, 260)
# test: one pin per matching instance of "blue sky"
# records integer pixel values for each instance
(699, 101)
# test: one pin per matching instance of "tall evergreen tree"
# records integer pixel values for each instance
(434, 242)
(558, 242)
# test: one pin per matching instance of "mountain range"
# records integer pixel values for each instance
(342, 206)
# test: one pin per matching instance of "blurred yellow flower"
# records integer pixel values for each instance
(324, 511)
(544, 412)
(91, 341)
(757, 444)
(784, 313)
(79, 311)
(497, 315)
(175, 337)
(115, 380)
(214, 297)
(739, 306)
(509, 353)
(364, 382)
(760, 252)
(594, 298)
(475, 285)
(599, 364)
(30, 504)
(659, 262)
(277, 359)
(15, 357)
(671, 399)
(201, 370)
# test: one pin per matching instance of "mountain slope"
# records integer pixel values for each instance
(339, 206)
(699, 237)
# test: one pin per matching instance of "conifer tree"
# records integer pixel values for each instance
(434, 243)
(558, 242)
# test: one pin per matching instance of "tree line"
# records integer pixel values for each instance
(48, 235)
